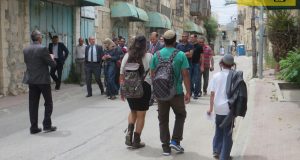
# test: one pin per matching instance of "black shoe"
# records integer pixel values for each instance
(102, 93)
(112, 97)
(195, 97)
(35, 131)
(57, 87)
(166, 151)
(200, 94)
(89, 95)
(216, 155)
(50, 129)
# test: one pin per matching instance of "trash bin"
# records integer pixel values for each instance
(241, 50)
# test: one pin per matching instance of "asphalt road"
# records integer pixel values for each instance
(93, 128)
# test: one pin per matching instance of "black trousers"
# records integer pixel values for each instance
(205, 75)
(93, 69)
(35, 91)
(58, 69)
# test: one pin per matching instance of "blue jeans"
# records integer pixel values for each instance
(195, 78)
(110, 74)
(222, 141)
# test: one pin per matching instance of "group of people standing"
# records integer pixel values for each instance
(190, 59)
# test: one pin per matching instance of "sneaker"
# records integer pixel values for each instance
(166, 151)
(176, 146)
(200, 94)
(216, 155)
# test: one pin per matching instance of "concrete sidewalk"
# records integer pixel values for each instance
(271, 129)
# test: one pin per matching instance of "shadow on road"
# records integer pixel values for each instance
(156, 153)
(58, 133)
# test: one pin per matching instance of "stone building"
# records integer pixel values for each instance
(71, 19)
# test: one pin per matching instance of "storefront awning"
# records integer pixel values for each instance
(157, 20)
(126, 10)
(192, 27)
(91, 2)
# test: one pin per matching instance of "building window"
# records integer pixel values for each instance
(166, 11)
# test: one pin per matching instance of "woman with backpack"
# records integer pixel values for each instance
(137, 56)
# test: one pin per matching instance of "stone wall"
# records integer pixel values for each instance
(104, 23)
(14, 31)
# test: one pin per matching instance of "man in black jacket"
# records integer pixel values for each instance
(93, 63)
(37, 76)
(60, 53)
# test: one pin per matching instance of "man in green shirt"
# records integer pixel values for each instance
(177, 103)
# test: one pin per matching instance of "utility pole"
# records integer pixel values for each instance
(254, 57)
(261, 41)
(298, 35)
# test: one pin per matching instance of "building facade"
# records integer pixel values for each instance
(71, 19)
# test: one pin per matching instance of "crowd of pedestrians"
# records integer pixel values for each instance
(161, 62)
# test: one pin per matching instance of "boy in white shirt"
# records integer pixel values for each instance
(222, 141)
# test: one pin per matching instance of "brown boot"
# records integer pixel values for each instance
(137, 141)
(128, 137)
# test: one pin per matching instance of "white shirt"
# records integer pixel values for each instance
(55, 50)
(146, 63)
(94, 54)
(218, 85)
(222, 51)
(80, 51)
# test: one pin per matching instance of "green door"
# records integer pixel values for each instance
(121, 29)
(87, 28)
(54, 19)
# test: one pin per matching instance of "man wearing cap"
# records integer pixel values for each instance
(177, 103)
(222, 141)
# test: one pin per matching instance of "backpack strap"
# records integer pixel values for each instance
(229, 83)
(159, 57)
(173, 55)
(145, 75)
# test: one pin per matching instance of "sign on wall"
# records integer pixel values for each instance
(88, 12)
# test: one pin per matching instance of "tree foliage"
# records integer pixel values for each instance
(290, 67)
(282, 32)
(211, 27)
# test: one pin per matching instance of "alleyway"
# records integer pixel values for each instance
(93, 128)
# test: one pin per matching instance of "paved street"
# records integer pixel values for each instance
(93, 128)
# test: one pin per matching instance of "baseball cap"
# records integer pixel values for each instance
(228, 59)
(169, 34)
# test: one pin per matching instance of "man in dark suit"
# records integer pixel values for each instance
(37, 76)
(93, 63)
(60, 52)
(154, 45)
